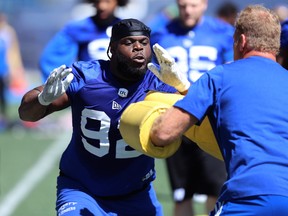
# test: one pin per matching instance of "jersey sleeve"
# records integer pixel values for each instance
(158, 85)
(228, 45)
(80, 70)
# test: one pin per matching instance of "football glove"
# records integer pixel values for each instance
(56, 85)
(167, 70)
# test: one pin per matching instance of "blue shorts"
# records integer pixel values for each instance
(266, 205)
(74, 202)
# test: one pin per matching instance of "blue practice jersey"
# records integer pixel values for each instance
(97, 156)
(163, 17)
(198, 49)
(3, 59)
(246, 102)
(79, 40)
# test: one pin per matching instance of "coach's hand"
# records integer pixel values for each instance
(56, 85)
(168, 70)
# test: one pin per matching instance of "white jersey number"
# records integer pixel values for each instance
(197, 60)
(102, 136)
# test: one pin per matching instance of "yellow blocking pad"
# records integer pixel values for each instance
(137, 120)
(166, 98)
(202, 135)
(135, 125)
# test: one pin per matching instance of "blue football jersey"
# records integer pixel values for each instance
(197, 49)
(97, 156)
(79, 40)
(163, 17)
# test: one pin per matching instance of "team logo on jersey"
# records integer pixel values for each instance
(148, 175)
(122, 92)
(116, 106)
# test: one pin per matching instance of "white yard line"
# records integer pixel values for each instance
(32, 177)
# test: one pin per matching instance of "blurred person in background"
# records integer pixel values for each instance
(281, 11)
(84, 39)
(12, 77)
(227, 12)
(282, 57)
(198, 43)
(163, 17)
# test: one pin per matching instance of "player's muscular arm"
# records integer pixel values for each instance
(31, 110)
(170, 126)
(48, 98)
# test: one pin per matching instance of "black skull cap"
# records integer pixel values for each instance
(129, 27)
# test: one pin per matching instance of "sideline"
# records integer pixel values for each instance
(33, 176)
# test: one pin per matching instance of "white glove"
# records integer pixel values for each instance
(56, 85)
(168, 71)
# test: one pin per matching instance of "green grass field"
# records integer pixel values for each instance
(29, 167)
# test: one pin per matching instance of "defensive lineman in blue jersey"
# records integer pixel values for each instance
(99, 173)
(81, 40)
(99, 109)
(246, 102)
(197, 43)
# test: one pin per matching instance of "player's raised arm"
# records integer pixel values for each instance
(43, 100)
(168, 71)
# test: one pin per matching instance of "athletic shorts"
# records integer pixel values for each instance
(265, 205)
(75, 202)
(192, 171)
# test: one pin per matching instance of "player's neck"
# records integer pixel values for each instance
(262, 54)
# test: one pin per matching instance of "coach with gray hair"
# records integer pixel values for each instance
(246, 102)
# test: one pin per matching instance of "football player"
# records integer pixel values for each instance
(83, 40)
(99, 173)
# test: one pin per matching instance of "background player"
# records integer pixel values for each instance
(12, 73)
(198, 43)
(82, 39)
(227, 12)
